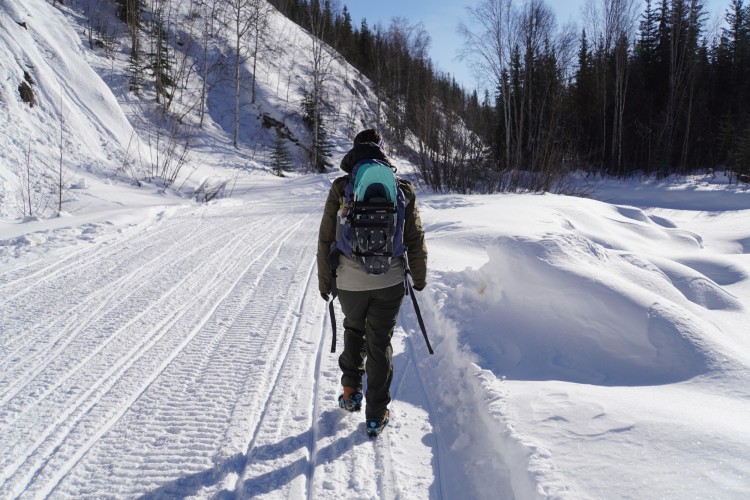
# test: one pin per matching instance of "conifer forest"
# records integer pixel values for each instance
(627, 91)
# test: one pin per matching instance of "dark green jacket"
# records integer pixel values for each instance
(413, 230)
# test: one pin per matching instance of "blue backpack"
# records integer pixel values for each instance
(370, 226)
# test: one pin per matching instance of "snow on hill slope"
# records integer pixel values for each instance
(68, 93)
(85, 120)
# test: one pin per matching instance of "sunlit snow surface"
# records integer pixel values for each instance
(154, 346)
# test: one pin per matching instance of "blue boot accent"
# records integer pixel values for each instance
(354, 403)
(375, 426)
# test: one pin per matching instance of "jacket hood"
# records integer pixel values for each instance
(364, 151)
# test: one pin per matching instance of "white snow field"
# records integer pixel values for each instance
(583, 350)
(155, 347)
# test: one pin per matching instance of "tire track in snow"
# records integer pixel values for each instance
(94, 402)
(38, 272)
(81, 361)
(224, 388)
(85, 401)
(155, 468)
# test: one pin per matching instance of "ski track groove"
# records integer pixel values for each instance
(314, 426)
(432, 415)
(72, 415)
(382, 445)
(288, 362)
(132, 283)
(64, 310)
(85, 405)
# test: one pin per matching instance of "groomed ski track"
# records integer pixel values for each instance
(190, 358)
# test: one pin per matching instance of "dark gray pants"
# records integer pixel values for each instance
(368, 327)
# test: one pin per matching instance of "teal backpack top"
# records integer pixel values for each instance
(377, 178)
(370, 226)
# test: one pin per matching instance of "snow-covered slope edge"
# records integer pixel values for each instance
(39, 42)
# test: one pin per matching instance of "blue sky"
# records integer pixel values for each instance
(441, 18)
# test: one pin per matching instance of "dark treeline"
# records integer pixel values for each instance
(645, 87)
(672, 100)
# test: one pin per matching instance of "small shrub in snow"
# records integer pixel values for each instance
(27, 93)
(213, 187)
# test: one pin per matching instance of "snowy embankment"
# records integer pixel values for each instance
(609, 342)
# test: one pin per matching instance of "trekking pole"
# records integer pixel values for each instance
(334, 294)
(409, 288)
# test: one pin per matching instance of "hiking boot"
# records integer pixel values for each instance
(351, 400)
(376, 425)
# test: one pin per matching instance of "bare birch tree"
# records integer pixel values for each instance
(611, 24)
(489, 46)
(211, 12)
(261, 12)
(321, 60)
(241, 18)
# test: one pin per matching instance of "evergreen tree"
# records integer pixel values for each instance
(135, 68)
(346, 35)
(321, 148)
(281, 159)
(161, 65)
(365, 49)
(130, 12)
(584, 110)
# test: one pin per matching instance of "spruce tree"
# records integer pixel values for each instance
(129, 11)
(281, 159)
(321, 147)
(161, 66)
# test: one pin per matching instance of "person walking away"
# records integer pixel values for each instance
(370, 291)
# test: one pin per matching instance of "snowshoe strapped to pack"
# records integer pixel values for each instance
(371, 218)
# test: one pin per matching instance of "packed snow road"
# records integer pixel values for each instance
(187, 358)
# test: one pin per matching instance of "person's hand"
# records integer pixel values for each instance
(324, 295)
(419, 288)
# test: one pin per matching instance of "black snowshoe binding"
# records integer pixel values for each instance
(353, 403)
(375, 426)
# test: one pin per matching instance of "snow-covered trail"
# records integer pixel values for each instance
(190, 358)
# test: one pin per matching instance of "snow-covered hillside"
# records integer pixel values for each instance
(85, 122)
(152, 346)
